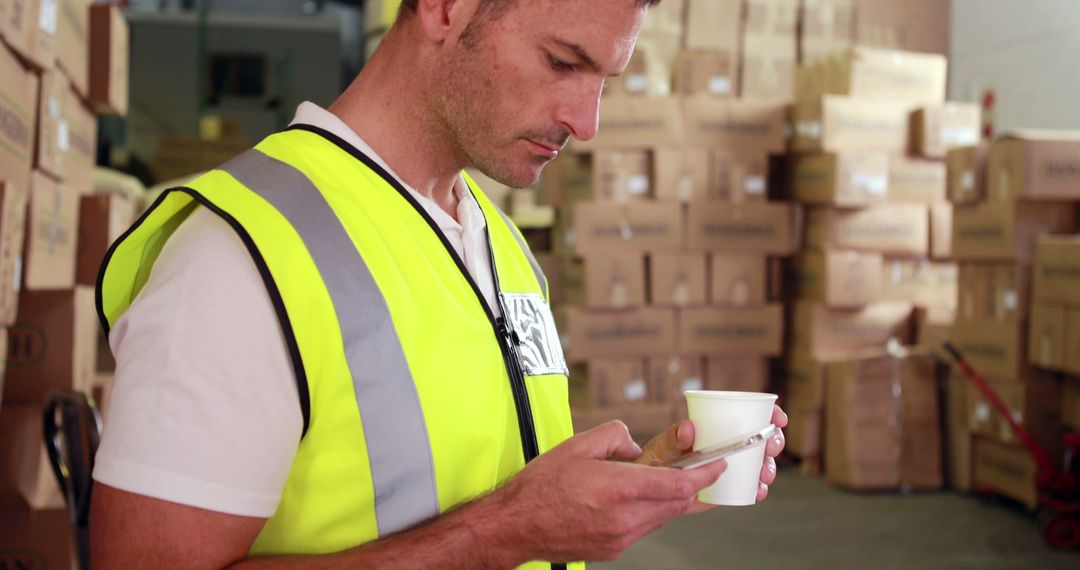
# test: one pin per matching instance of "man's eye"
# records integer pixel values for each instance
(559, 65)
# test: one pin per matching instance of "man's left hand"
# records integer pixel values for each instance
(679, 440)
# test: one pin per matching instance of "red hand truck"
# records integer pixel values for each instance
(1059, 494)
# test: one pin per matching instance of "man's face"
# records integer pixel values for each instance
(513, 91)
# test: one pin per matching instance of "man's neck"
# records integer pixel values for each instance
(384, 107)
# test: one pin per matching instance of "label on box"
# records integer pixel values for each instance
(637, 185)
(967, 180)
(635, 391)
(720, 85)
(694, 383)
(54, 108)
(637, 83)
(63, 136)
(872, 184)
(47, 16)
(959, 136)
(755, 185)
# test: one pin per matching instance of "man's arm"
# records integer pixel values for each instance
(571, 503)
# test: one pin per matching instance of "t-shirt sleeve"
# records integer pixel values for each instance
(204, 409)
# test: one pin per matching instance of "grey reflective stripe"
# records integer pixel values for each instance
(399, 451)
(528, 253)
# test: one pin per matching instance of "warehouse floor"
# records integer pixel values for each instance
(807, 524)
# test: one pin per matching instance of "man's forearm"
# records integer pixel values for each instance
(479, 534)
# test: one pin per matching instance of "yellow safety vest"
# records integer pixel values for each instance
(415, 397)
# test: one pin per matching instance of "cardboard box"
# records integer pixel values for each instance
(54, 132)
(916, 25)
(879, 74)
(898, 229)
(924, 283)
(52, 345)
(993, 291)
(615, 280)
(1072, 341)
(834, 123)
(608, 383)
(26, 477)
(73, 43)
(52, 230)
(108, 60)
(771, 17)
(966, 174)
(1007, 470)
(82, 146)
(12, 232)
(1007, 231)
(958, 440)
(937, 129)
(916, 180)
(621, 175)
(713, 24)
(737, 374)
(18, 99)
(739, 177)
(647, 421)
(1046, 336)
(1056, 273)
(756, 126)
(636, 122)
(1035, 165)
(882, 423)
(636, 78)
(754, 331)
(682, 174)
(36, 539)
(941, 232)
(601, 228)
(1034, 403)
(842, 279)
(803, 433)
(827, 26)
(803, 385)
(678, 279)
(995, 349)
(823, 332)
(843, 179)
(29, 28)
(761, 228)
(670, 376)
(713, 73)
(1070, 403)
(769, 77)
(565, 180)
(601, 334)
(738, 280)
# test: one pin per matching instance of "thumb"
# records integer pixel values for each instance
(608, 441)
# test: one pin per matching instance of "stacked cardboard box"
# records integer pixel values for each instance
(60, 61)
(1006, 329)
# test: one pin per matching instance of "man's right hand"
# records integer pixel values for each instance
(583, 500)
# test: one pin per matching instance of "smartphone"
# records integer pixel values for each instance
(707, 455)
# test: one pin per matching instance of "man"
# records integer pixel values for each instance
(334, 351)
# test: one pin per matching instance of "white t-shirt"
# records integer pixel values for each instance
(204, 409)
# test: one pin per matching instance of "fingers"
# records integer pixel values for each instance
(674, 442)
(768, 471)
(776, 444)
(779, 418)
(662, 484)
(762, 492)
(608, 441)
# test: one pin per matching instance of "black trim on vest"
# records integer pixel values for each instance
(522, 405)
(264, 273)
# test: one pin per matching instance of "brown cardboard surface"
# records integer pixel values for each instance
(735, 123)
(18, 101)
(771, 17)
(958, 436)
(53, 344)
(53, 131)
(937, 129)
(1056, 272)
(844, 179)
(916, 180)
(1008, 470)
(19, 21)
(643, 421)
(26, 478)
(615, 280)
(1035, 403)
(566, 180)
(102, 219)
(1007, 230)
(738, 280)
(737, 374)
(993, 291)
(1046, 336)
(995, 349)
(821, 331)
(748, 331)
(82, 146)
(762, 228)
(924, 283)
(603, 227)
(835, 123)
(898, 229)
(1035, 165)
(966, 174)
(738, 177)
(713, 73)
(1070, 403)
(636, 122)
(803, 385)
(840, 279)
(12, 233)
(108, 60)
(941, 232)
(52, 230)
(608, 383)
(766, 76)
(73, 43)
(917, 25)
(678, 279)
(713, 24)
(36, 540)
(878, 74)
(31, 30)
(682, 174)
(803, 432)
(1072, 340)
(640, 332)
(670, 376)
(622, 175)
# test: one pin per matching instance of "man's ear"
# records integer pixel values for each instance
(442, 20)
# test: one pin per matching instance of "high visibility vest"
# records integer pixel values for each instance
(415, 397)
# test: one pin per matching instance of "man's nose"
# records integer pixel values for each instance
(579, 113)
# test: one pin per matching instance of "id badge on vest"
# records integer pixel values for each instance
(529, 316)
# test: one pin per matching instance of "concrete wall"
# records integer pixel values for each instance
(1027, 51)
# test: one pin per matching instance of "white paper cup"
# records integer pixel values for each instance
(720, 416)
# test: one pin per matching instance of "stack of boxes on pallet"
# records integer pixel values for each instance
(1016, 289)
(60, 63)
(661, 270)
(871, 127)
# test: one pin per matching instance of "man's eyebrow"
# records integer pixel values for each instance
(580, 53)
